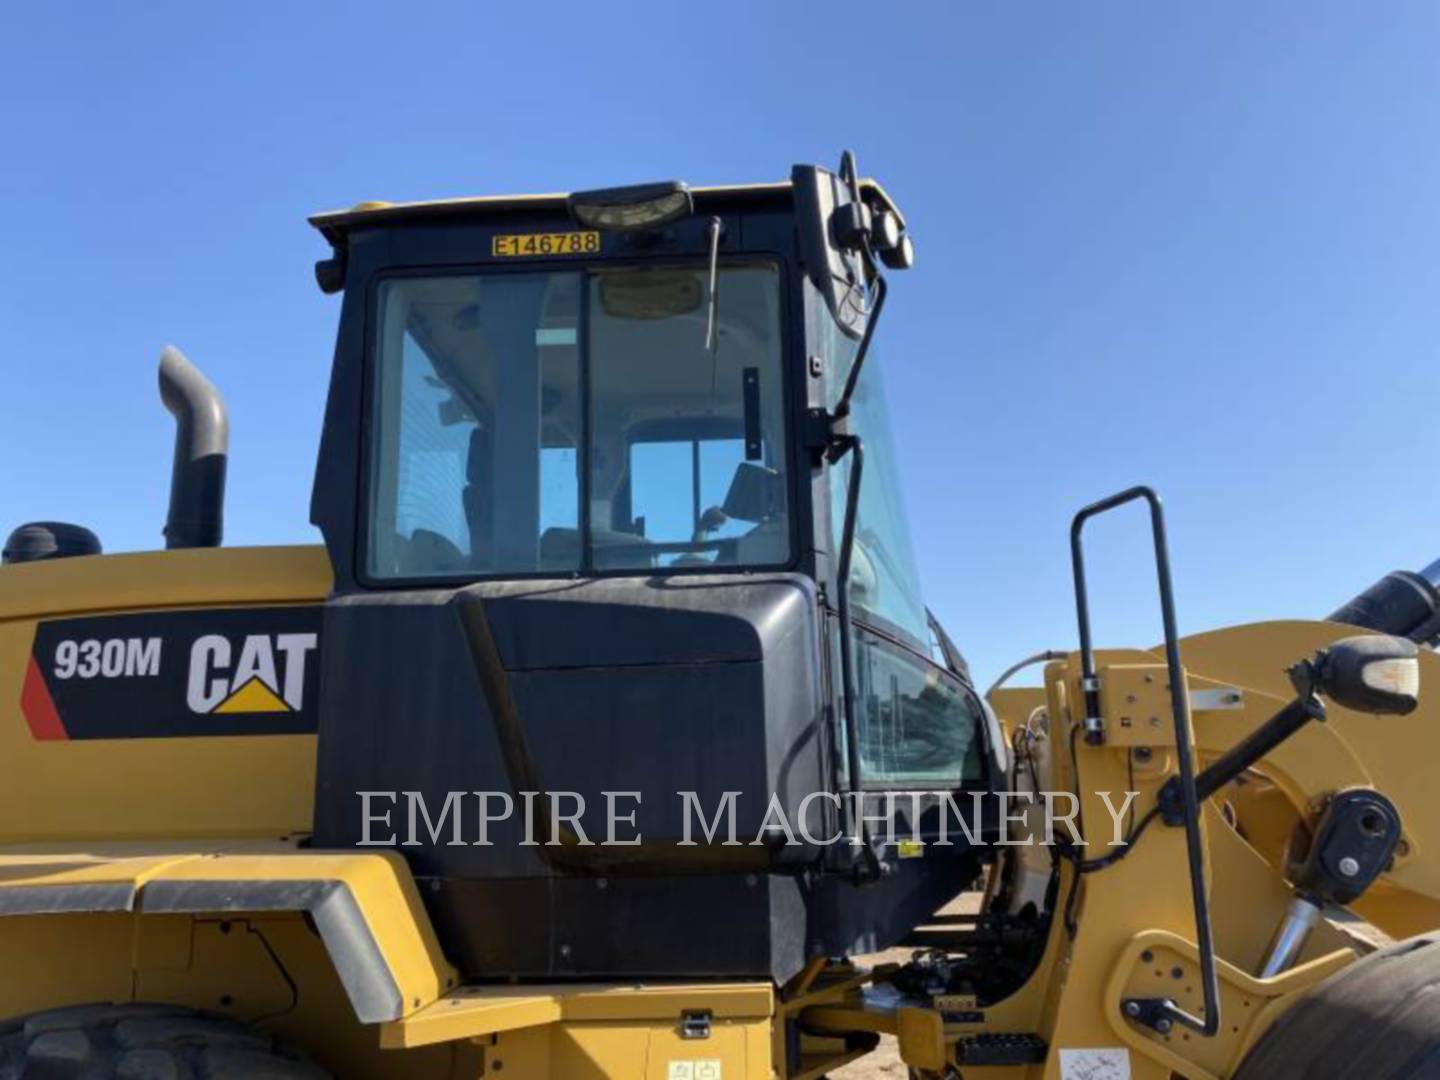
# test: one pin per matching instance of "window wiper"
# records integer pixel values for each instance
(712, 318)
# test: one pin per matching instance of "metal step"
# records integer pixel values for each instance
(936, 937)
(1017, 1049)
(957, 919)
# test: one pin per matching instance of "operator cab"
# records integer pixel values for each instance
(607, 446)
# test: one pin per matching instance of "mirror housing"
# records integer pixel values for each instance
(1373, 673)
(754, 493)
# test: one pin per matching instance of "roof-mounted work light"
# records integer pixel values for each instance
(634, 208)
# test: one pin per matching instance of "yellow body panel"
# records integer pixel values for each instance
(474, 1011)
(633, 1050)
(597, 1032)
(142, 580)
(261, 785)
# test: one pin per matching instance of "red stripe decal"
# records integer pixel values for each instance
(39, 707)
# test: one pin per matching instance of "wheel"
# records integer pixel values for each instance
(143, 1042)
(1379, 1019)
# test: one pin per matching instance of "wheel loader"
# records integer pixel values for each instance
(608, 734)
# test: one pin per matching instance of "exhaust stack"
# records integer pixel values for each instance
(1402, 603)
(202, 445)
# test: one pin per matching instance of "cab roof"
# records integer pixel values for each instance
(334, 224)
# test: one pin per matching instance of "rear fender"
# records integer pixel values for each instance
(365, 906)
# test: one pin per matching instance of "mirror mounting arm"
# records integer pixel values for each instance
(1339, 671)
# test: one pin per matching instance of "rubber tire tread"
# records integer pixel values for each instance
(144, 1042)
(1378, 1019)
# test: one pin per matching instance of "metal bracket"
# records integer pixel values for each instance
(1158, 1014)
(696, 1025)
(823, 433)
(1217, 699)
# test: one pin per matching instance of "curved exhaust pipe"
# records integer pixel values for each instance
(202, 446)
(1402, 603)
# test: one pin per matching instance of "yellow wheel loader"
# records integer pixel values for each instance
(608, 732)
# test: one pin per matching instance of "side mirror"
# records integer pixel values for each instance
(1372, 673)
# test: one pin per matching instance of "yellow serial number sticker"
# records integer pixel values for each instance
(553, 243)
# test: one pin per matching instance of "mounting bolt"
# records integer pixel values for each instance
(1349, 867)
(1163, 1025)
(1132, 1009)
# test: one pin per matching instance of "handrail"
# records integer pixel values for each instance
(1184, 754)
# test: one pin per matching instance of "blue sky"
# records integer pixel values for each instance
(1191, 245)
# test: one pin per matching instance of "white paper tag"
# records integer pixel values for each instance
(1104, 1064)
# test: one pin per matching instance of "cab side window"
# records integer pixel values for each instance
(919, 727)
(884, 579)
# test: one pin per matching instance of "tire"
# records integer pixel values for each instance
(143, 1042)
(1378, 1019)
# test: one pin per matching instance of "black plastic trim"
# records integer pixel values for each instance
(67, 899)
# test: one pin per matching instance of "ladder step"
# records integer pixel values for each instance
(1017, 1049)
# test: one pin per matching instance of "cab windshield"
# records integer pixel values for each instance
(577, 421)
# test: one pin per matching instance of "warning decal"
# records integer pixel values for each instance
(702, 1069)
(1106, 1064)
(228, 671)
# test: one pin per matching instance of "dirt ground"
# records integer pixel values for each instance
(884, 1063)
